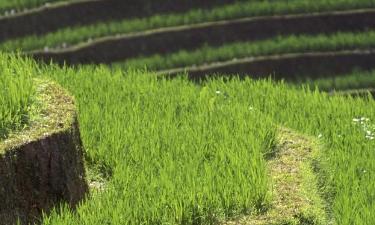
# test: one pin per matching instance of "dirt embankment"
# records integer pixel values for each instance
(166, 40)
(43, 165)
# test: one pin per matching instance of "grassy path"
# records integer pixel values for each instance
(295, 196)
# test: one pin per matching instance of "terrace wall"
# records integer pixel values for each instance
(40, 173)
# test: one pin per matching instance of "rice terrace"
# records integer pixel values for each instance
(187, 112)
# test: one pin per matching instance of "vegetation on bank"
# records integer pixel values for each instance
(350, 81)
(16, 93)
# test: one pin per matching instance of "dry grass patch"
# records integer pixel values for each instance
(295, 194)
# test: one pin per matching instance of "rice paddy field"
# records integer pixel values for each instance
(16, 94)
(239, 9)
(168, 165)
(199, 152)
(162, 150)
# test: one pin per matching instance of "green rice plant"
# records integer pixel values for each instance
(150, 131)
(272, 46)
(180, 154)
(10, 7)
(353, 80)
(239, 9)
(16, 93)
(346, 128)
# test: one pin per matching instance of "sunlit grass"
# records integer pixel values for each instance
(183, 153)
(16, 93)
(180, 154)
(347, 158)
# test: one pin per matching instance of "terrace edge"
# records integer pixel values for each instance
(43, 166)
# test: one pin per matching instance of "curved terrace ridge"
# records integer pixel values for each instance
(169, 39)
(42, 165)
(54, 16)
(289, 66)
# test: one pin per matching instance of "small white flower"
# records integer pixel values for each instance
(356, 120)
(320, 135)
(218, 92)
